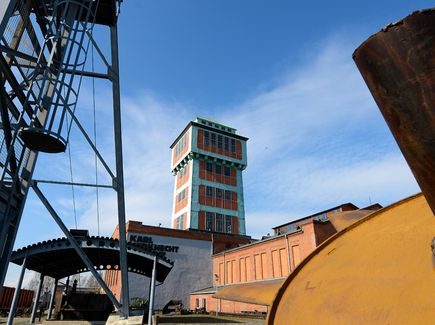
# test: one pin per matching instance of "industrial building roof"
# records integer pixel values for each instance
(347, 205)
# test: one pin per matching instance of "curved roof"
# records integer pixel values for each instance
(58, 259)
(378, 271)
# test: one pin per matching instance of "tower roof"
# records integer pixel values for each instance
(225, 130)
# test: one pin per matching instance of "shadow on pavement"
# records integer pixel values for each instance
(196, 320)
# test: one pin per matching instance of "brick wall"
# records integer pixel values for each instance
(181, 199)
(218, 173)
(183, 176)
(216, 197)
(219, 147)
(264, 260)
(177, 154)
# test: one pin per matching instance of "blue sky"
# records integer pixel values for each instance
(281, 72)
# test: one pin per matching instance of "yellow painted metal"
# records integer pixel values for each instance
(342, 220)
(259, 293)
(379, 270)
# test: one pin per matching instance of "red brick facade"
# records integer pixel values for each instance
(181, 148)
(220, 144)
(183, 176)
(217, 173)
(213, 224)
(216, 197)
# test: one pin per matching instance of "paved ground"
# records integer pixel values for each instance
(17, 320)
(167, 320)
(209, 319)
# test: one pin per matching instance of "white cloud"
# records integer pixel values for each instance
(316, 140)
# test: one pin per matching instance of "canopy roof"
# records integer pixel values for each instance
(258, 292)
(58, 259)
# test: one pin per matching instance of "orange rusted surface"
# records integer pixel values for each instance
(398, 66)
(259, 293)
(380, 270)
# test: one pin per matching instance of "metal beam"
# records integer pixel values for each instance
(100, 53)
(88, 139)
(119, 171)
(152, 292)
(17, 293)
(76, 246)
(36, 303)
(52, 298)
(6, 9)
(71, 183)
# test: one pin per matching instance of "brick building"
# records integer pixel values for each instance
(207, 160)
(271, 258)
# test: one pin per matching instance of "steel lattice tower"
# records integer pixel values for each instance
(44, 47)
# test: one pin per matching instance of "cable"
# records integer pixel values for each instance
(95, 142)
(72, 180)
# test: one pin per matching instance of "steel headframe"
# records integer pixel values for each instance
(36, 97)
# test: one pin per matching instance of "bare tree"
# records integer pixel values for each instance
(91, 282)
(34, 283)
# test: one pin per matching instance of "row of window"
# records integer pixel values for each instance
(272, 264)
(218, 193)
(218, 222)
(181, 145)
(219, 141)
(217, 169)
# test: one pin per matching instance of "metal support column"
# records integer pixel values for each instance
(119, 186)
(17, 293)
(52, 298)
(38, 295)
(152, 291)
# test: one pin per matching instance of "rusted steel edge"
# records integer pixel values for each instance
(398, 66)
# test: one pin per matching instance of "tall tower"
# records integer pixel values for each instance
(207, 160)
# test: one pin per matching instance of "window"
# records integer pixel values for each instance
(204, 303)
(228, 195)
(228, 224)
(209, 191)
(207, 138)
(233, 145)
(227, 171)
(219, 143)
(179, 222)
(218, 169)
(226, 144)
(213, 140)
(209, 167)
(218, 193)
(179, 197)
(208, 220)
(183, 194)
(197, 303)
(219, 222)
